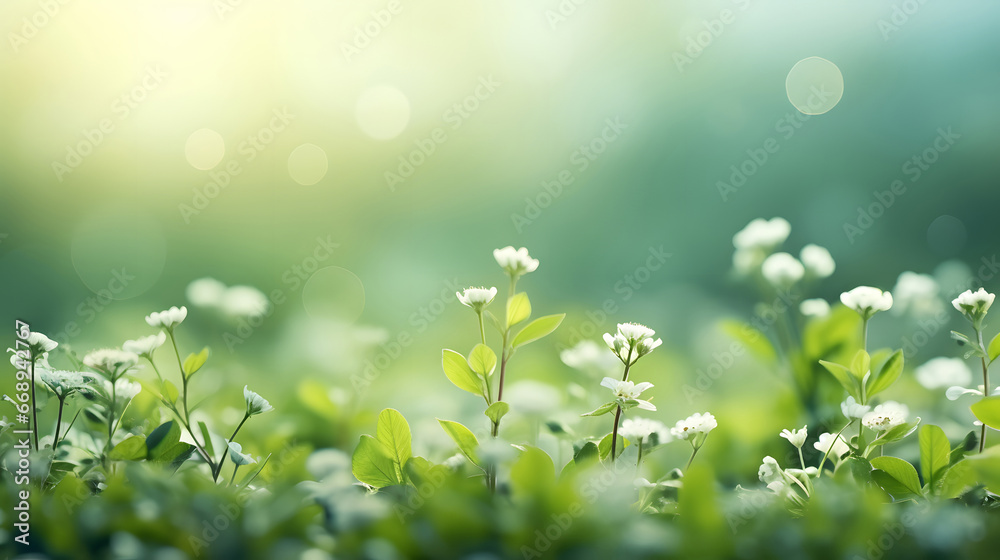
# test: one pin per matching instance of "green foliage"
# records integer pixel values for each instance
(539, 328)
(463, 438)
(935, 454)
(194, 362)
(987, 411)
(496, 411)
(518, 309)
(888, 375)
(899, 478)
(460, 373)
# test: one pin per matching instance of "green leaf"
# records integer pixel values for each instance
(902, 472)
(988, 411)
(518, 309)
(209, 448)
(994, 348)
(170, 392)
(752, 339)
(935, 453)
(393, 432)
(459, 372)
(496, 411)
(888, 375)
(175, 454)
(861, 364)
(602, 410)
(588, 455)
(132, 448)
(844, 376)
(893, 487)
(463, 437)
(893, 434)
(162, 440)
(540, 327)
(962, 339)
(968, 443)
(494, 321)
(483, 360)
(533, 474)
(372, 463)
(604, 448)
(194, 362)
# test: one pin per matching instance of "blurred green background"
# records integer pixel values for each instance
(508, 95)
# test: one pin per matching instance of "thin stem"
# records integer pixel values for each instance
(986, 387)
(801, 460)
(233, 478)
(614, 433)
(218, 470)
(482, 326)
(55, 437)
(693, 453)
(864, 334)
(638, 462)
(827, 454)
(34, 404)
(111, 415)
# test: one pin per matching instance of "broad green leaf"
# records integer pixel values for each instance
(175, 454)
(968, 443)
(604, 447)
(983, 468)
(518, 309)
(463, 437)
(900, 470)
(888, 375)
(194, 362)
(988, 411)
(207, 438)
(934, 454)
(893, 434)
(162, 440)
(994, 348)
(540, 327)
(483, 360)
(533, 473)
(459, 372)
(861, 364)
(496, 411)
(752, 339)
(132, 448)
(393, 432)
(372, 463)
(845, 377)
(170, 392)
(893, 487)
(419, 470)
(587, 455)
(602, 410)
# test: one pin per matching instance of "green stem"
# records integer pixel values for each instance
(55, 437)
(218, 470)
(693, 453)
(638, 462)
(802, 461)
(34, 404)
(618, 413)
(986, 386)
(185, 419)
(111, 415)
(233, 478)
(827, 454)
(864, 334)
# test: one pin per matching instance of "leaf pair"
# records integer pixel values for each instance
(858, 380)
(470, 374)
(379, 461)
(899, 478)
(163, 445)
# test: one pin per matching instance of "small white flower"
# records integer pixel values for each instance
(834, 444)
(205, 292)
(694, 425)
(746, 261)
(167, 319)
(112, 362)
(634, 332)
(256, 404)
(590, 356)
(916, 293)
(886, 415)
(867, 300)
(237, 456)
(533, 398)
(245, 301)
(770, 472)
(817, 260)
(126, 390)
(944, 372)
(477, 298)
(40, 344)
(631, 342)
(625, 391)
(782, 270)
(146, 345)
(854, 410)
(808, 472)
(41, 362)
(796, 437)
(954, 393)
(762, 234)
(643, 429)
(515, 261)
(974, 305)
(64, 383)
(816, 307)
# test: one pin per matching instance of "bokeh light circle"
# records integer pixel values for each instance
(334, 293)
(118, 253)
(382, 112)
(307, 164)
(204, 149)
(814, 85)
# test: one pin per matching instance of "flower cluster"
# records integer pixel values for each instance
(867, 300)
(756, 247)
(516, 262)
(631, 342)
(477, 298)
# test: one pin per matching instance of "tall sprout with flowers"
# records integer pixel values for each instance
(475, 373)
(974, 307)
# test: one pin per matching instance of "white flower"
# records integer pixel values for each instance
(885, 416)
(237, 456)
(867, 300)
(632, 341)
(126, 390)
(626, 391)
(634, 332)
(974, 305)
(477, 298)
(112, 362)
(782, 270)
(144, 346)
(40, 344)
(642, 429)
(515, 261)
(816, 307)
(834, 444)
(762, 234)
(455, 462)
(64, 383)
(746, 260)
(256, 404)
(854, 410)
(954, 393)
(694, 425)
(167, 319)
(244, 301)
(41, 362)
(770, 472)
(817, 260)
(533, 398)
(590, 356)
(796, 437)
(917, 293)
(205, 292)
(944, 372)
